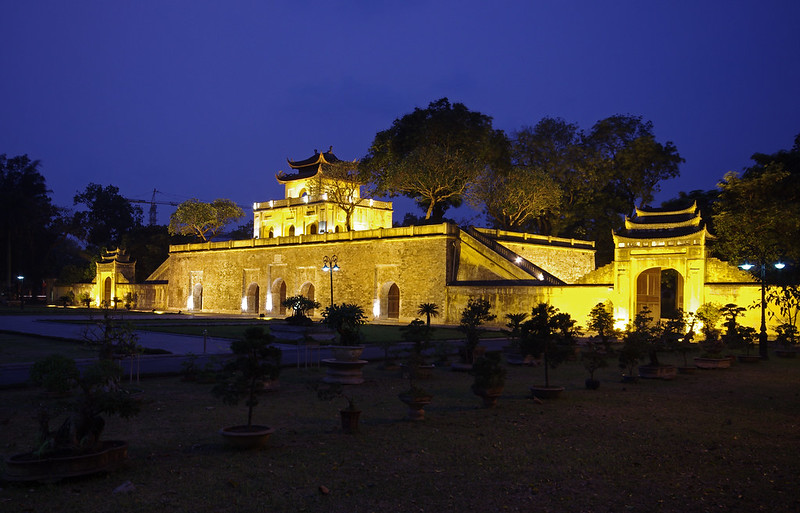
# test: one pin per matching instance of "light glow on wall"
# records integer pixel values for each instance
(376, 308)
(190, 302)
(244, 303)
(269, 301)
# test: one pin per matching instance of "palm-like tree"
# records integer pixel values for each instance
(428, 310)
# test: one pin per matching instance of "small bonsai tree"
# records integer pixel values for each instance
(514, 330)
(549, 334)
(473, 316)
(99, 394)
(85, 299)
(255, 361)
(112, 338)
(601, 321)
(419, 333)
(345, 319)
(787, 335)
(709, 314)
(635, 342)
(595, 357)
(300, 306)
(489, 373)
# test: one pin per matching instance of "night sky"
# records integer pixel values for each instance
(207, 99)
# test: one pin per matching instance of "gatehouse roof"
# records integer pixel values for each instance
(657, 223)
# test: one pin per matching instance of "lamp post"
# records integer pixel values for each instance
(762, 336)
(21, 279)
(330, 264)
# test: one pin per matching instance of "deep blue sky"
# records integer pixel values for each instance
(207, 99)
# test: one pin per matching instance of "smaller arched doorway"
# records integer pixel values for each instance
(308, 291)
(197, 297)
(278, 296)
(389, 301)
(252, 305)
(393, 302)
(291, 231)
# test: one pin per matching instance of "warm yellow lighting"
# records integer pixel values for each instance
(271, 203)
(269, 301)
(190, 303)
(305, 198)
(376, 308)
(244, 303)
(255, 205)
(518, 259)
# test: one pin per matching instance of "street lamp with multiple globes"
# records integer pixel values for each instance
(762, 336)
(330, 264)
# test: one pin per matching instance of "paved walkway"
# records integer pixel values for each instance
(205, 348)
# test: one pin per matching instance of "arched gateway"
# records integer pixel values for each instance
(660, 262)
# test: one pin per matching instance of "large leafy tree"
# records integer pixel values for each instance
(341, 182)
(602, 173)
(758, 212)
(432, 155)
(106, 216)
(526, 198)
(205, 220)
(26, 215)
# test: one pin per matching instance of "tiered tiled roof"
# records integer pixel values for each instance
(308, 167)
(655, 223)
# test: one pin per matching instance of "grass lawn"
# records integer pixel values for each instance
(725, 440)
(15, 348)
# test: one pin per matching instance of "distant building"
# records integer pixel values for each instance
(308, 207)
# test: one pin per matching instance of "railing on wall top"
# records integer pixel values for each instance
(526, 265)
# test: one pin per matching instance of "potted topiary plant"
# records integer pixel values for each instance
(419, 333)
(255, 362)
(786, 340)
(76, 447)
(549, 335)
(513, 330)
(473, 316)
(300, 306)
(595, 357)
(661, 337)
(598, 348)
(490, 378)
(684, 345)
(350, 414)
(346, 320)
(712, 344)
(415, 368)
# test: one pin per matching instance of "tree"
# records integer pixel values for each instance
(759, 208)
(433, 154)
(602, 173)
(525, 199)
(428, 310)
(26, 215)
(473, 316)
(107, 218)
(341, 182)
(205, 220)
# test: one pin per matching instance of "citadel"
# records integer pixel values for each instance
(660, 261)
